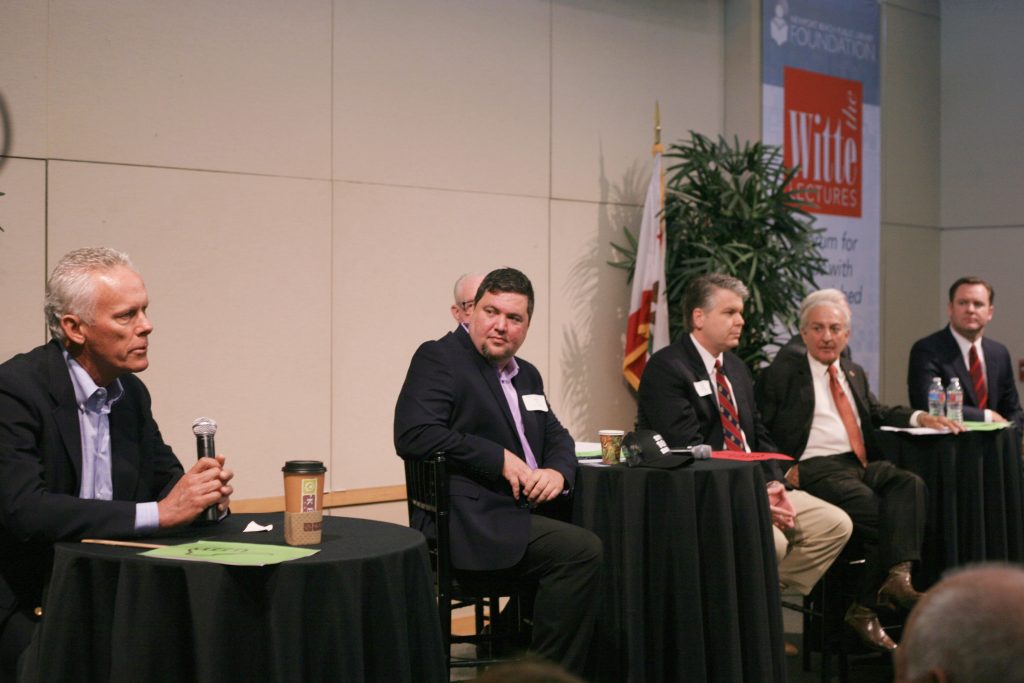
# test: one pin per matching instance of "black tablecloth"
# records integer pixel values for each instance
(362, 609)
(974, 496)
(691, 585)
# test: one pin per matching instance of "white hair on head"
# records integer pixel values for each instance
(70, 288)
(825, 297)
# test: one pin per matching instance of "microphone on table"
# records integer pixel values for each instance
(204, 428)
(701, 451)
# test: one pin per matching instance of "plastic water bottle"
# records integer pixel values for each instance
(936, 398)
(955, 401)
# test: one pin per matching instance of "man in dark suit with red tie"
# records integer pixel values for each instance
(467, 394)
(697, 391)
(820, 410)
(961, 350)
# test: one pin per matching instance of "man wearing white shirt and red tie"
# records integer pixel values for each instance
(820, 410)
(697, 391)
(961, 350)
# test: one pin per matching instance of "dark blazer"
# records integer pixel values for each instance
(41, 466)
(938, 355)
(785, 394)
(668, 402)
(452, 401)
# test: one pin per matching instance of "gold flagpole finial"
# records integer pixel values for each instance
(657, 122)
(657, 128)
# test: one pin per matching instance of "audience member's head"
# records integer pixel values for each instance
(968, 627)
(465, 296)
(528, 671)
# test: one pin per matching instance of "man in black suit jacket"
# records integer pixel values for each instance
(805, 403)
(678, 398)
(80, 453)
(468, 395)
(947, 354)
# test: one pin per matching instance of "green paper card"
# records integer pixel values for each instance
(986, 426)
(240, 554)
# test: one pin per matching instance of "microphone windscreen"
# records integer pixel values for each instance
(702, 452)
(204, 426)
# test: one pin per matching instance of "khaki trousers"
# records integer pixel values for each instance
(807, 550)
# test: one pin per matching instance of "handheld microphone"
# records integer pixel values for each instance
(204, 428)
(701, 451)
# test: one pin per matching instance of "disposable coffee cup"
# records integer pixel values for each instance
(303, 501)
(611, 445)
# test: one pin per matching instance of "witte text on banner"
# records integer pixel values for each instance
(820, 94)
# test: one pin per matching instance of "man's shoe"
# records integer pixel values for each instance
(897, 588)
(864, 621)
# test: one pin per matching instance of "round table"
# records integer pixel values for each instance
(975, 509)
(691, 585)
(361, 609)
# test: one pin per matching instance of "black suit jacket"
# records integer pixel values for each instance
(938, 355)
(41, 466)
(668, 402)
(785, 394)
(452, 401)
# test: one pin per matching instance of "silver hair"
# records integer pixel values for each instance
(458, 283)
(970, 626)
(825, 297)
(700, 293)
(71, 289)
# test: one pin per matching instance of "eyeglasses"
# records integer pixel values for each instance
(465, 305)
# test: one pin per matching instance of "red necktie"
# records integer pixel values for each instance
(847, 416)
(733, 437)
(978, 378)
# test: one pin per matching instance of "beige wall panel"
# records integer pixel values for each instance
(910, 118)
(22, 255)
(910, 286)
(240, 85)
(982, 113)
(397, 253)
(238, 273)
(443, 93)
(999, 262)
(23, 76)
(611, 61)
(589, 317)
(396, 513)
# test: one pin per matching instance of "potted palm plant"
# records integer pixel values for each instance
(728, 208)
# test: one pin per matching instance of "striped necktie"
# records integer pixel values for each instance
(733, 436)
(978, 378)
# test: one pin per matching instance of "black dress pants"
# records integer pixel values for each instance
(886, 504)
(562, 564)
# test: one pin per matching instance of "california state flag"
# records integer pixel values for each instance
(647, 329)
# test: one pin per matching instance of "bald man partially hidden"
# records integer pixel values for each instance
(968, 627)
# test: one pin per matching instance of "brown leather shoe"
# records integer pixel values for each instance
(864, 621)
(897, 588)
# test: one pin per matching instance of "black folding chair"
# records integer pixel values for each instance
(426, 483)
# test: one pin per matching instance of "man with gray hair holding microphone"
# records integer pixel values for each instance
(80, 453)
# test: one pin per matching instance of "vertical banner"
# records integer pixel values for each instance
(820, 86)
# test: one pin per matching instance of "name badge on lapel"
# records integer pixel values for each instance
(703, 387)
(535, 402)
